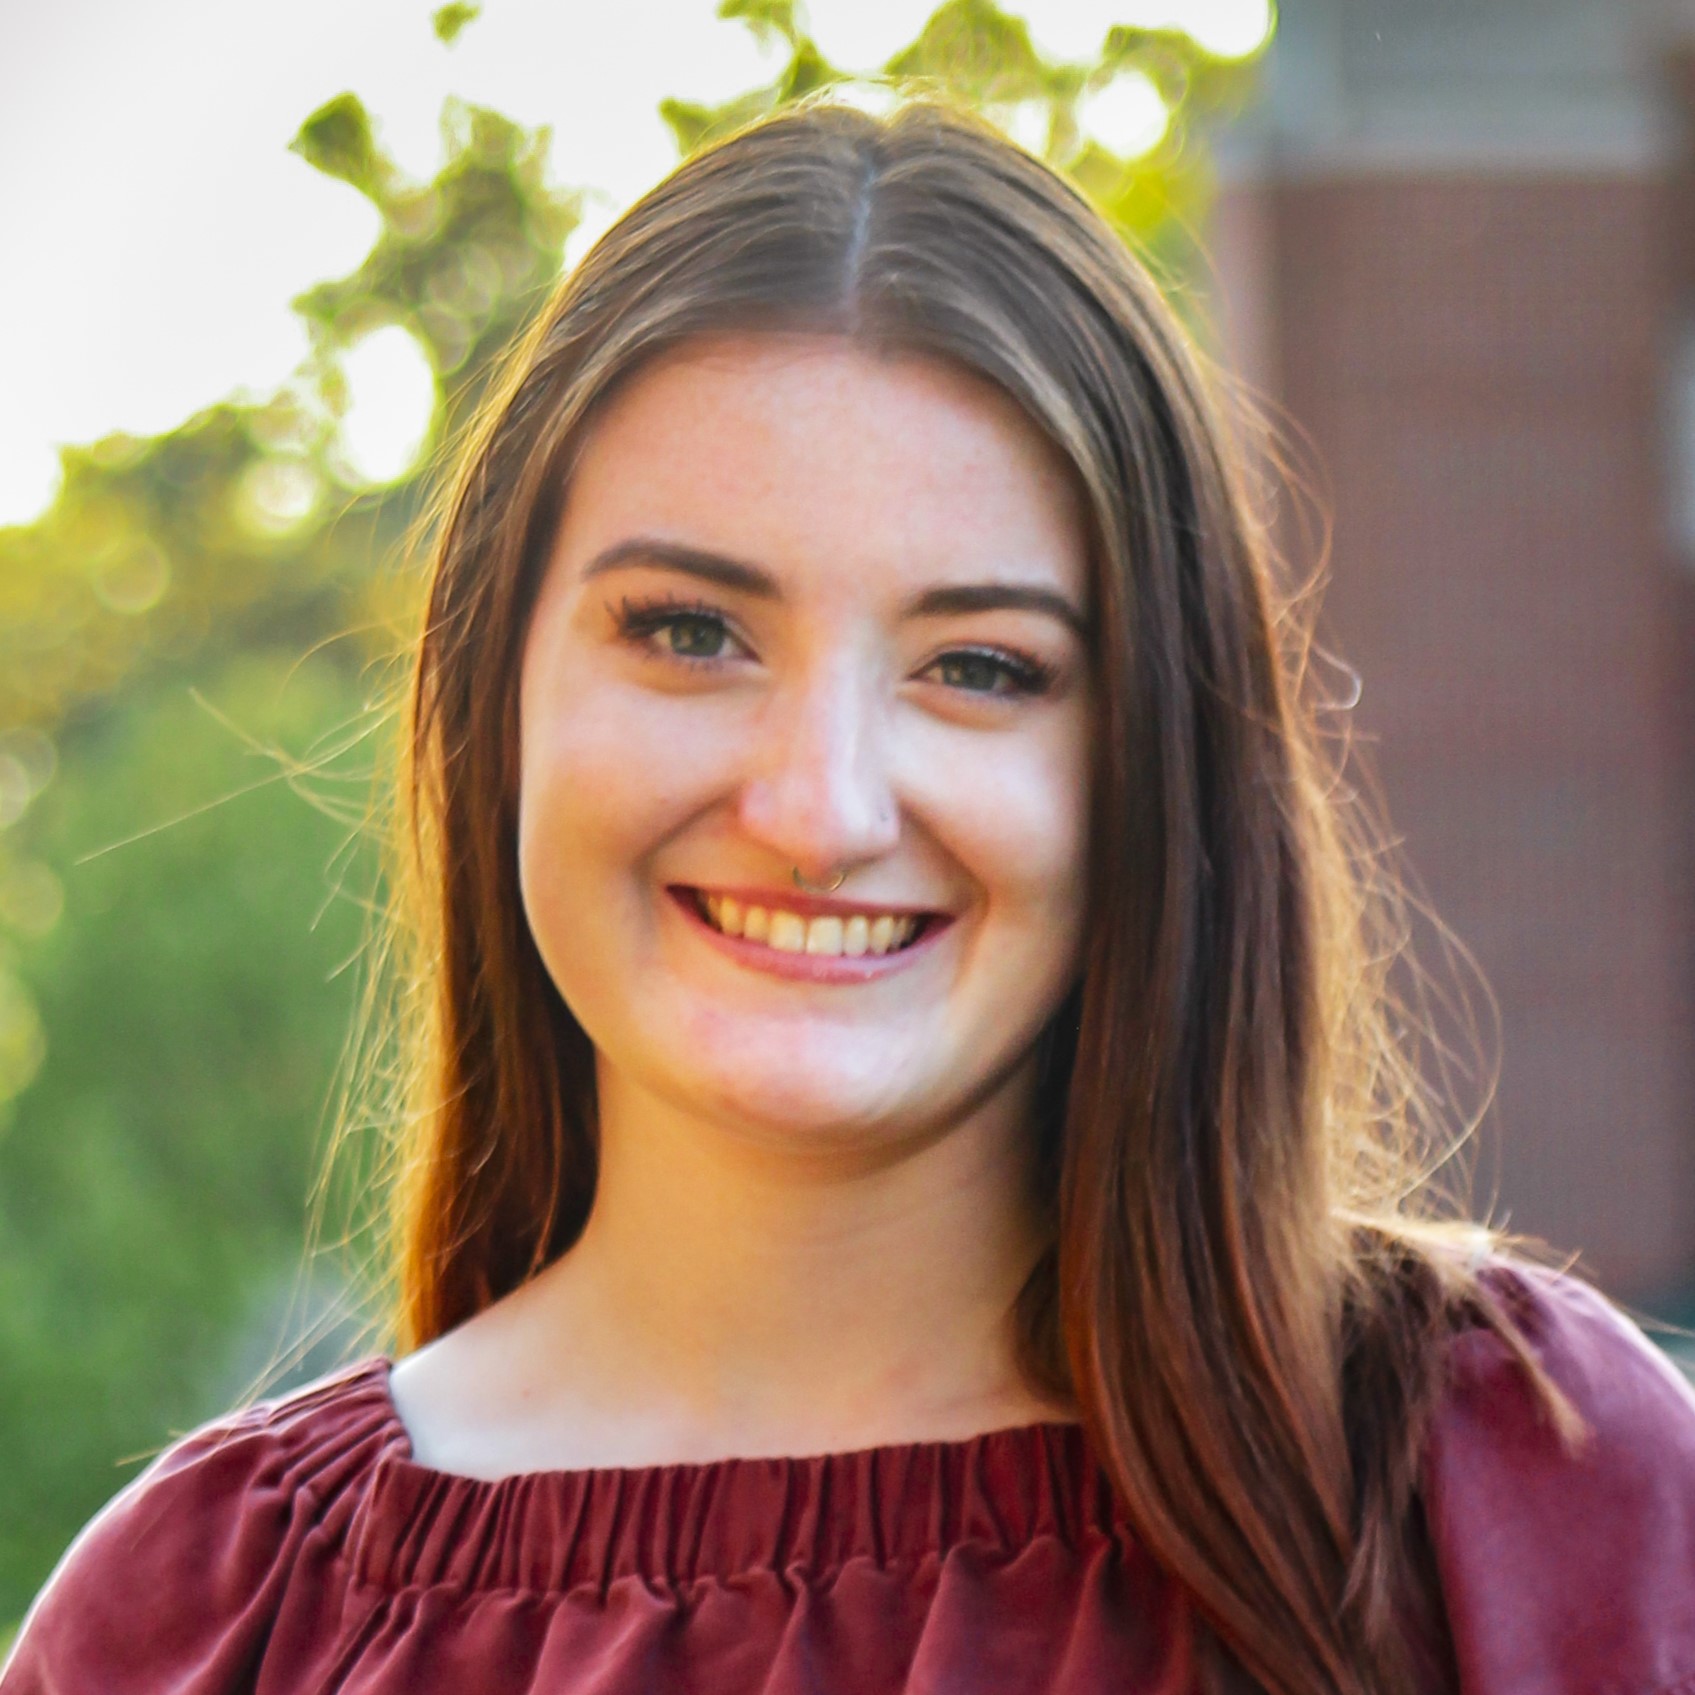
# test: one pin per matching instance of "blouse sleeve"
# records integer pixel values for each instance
(175, 1584)
(1562, 1572)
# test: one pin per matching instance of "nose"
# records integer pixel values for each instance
(819, 792)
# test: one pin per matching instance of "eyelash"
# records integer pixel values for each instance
(639, 621)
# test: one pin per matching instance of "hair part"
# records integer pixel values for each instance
(1246, 1293)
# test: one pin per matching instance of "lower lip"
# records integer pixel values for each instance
(811, 967)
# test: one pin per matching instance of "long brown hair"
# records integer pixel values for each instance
(1243, 1297)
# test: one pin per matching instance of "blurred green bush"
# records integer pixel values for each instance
(197, 647)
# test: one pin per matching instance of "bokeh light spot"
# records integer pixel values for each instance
(391, 404)
(1233, 30)
(23, 1041)
(1128, 117)
(15, 792)
(30, 758)
(32, 899)
(276, 496)
(1028, 123)
(135, 581)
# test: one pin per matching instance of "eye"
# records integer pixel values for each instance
(692, 632)
(694, 636)
(991, 671)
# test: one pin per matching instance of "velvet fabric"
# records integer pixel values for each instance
(297, 1548)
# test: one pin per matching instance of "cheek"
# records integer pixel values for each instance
(1016, 818)
(599, 793)
(607, 775)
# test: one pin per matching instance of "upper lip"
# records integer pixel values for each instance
(804, 905)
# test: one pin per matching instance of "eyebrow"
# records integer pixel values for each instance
(949, 600)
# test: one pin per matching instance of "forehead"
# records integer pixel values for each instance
(813, 451)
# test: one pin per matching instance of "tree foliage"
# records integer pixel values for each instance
(196, 642)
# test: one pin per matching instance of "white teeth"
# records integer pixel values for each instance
(788, 933)
(824, 935)
(828, 936)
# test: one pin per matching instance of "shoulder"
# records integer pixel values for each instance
(1566, 1558)
(173, 1584)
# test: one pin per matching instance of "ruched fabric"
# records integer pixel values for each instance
(297, 1548)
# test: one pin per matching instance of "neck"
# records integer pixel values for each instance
(751, 1292)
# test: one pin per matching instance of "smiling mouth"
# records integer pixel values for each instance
(826, 935)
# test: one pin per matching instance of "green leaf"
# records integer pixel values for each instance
(807, 72)
(764, 17)
(690, 122)
(974, 49)
(450, 19)
(338, 140)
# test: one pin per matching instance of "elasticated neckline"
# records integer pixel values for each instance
(669, 1526)
(295, 1544)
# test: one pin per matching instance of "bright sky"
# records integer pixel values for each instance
(156, 227)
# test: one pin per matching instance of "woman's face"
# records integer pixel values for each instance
(810, 607)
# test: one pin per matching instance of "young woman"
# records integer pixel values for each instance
(905, 1195)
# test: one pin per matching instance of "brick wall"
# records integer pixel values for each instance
(1477, 361)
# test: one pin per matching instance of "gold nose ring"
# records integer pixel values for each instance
(819, 888)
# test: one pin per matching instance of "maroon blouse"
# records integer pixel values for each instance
(297, 1547)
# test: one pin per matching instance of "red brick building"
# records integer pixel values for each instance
(1454, 247)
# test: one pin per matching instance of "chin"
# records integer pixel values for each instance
(835, 1104)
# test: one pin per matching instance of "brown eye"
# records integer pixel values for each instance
(985, 672)
(695, 636)
(667, 629)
